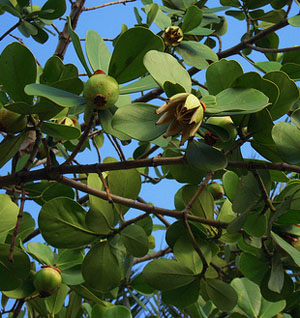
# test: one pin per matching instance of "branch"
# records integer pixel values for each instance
(10, 30)
(268, 50)
(137, 205)
(152, 256)
(107, 4)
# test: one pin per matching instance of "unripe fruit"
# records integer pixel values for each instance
(216, 190)
(47, 280)
(102, 91)
(11, 122)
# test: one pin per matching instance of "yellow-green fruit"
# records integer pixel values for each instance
(47, 281)
(151, 242)
(11, 122)
(216, 190)
(226, 123)
(102, 91)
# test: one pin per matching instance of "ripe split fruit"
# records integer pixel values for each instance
(47, 280)
(101, 90)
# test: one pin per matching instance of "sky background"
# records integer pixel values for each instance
(107, 22)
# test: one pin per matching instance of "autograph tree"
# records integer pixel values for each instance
(232, 239)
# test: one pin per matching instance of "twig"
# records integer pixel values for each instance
(10, 30)
(81, 141)
(55, 28)
(268, 50)
(33, 234)
(107, 4)
(152, 256)
(129, 222)
(149, 152)
(16, 230)
(203, 184)
(18, 308)
(219, 40)
(117, 147)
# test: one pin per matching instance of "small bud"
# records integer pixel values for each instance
(173, 36)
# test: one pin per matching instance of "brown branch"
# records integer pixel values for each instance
(152, 256)
(268, 50)
(129, 222)
(149, 152)
(18, 224)
(64, 37)
(10, 30)
(117, 147)
(137, 205)
(81, 141)
(33, 234)
(35, 150)
(107, 4)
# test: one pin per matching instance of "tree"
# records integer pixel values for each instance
(233, 237)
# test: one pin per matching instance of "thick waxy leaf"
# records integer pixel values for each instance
(12, 273)
(140, 85)
(230, 182)
(41, 252)
(111, 312)
(126, 62)
(295, 254)
(9, 146)
(205, 157)
(196, 54)
(294, 21)
(192, 19)
(183, 296)
(222, 294)
(249, 297)
(163, 67)
(61, 220)
(97, 51)
(138, 120)
(101, 216)
(55, 302)
(8, 214)
(135, 240)
(58, 96)
(166, 274)
(289, 93)
(59, 131)
(57, 6)
(287, 140)
(100, 268)
(220, 75)
(237, 101)
(252, 267)
(270, 309)
(256, 224)
(17, 65)
(124, 183)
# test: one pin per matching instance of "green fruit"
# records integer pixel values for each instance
(11, 122)
(47, 280)
(216, 190)
(102, 91)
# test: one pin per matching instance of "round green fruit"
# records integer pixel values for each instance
(102, 91)
(47, 280)
(216, 190)
(11, 122)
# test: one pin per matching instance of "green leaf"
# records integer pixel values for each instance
(237, 101)
(151, 14)
(164, 67)
(17, 65)
(221, 294)
(126, 62)
(230, 182)
(124, 183)
(115, 312)
(292, 70)
(166, 274)
(183, 296)
(100, 268)
(137, 120)
(220, 75)
(205, 157)
(270, 309)
(8, 214)
(249, 297)
(97, 51)
(10, 145)
(196, 54)
(252, 267)
(276, 280)
(294, 21)
(289, 93)
(77, 47)
(57, 6)
(61, 132)
(57, 190)
(55, 302)
(256, 224)
(295, 254)
(135, 240)
(62, 219)
(41, 252)
(12, 273)
(192, 19)
(143, 84)
(101, 216)
(287, 138)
